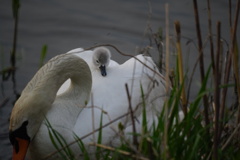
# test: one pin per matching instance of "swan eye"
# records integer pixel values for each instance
(97, 61)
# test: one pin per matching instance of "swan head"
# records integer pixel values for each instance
(25, 121)
(101, 59)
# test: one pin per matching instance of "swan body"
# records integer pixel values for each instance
(109, 93)
(78, 107)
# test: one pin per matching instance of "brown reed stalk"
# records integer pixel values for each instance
(165, 136)
(201, 61)
(134, 137)
(234, 52)
(15, 8)
(210, 35)
(230, 12)
(224, 90)
(217, 80)
(129, 154)
(227, 71)
(180, 65)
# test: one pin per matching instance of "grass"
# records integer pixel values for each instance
(186, 138)
(43, 55)
(210, 127)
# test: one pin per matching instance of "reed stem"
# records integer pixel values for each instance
(210, 35)
(234, 52)
(165, 137)
(15, 8)
(217, 80)
(134, 137)
(201, 61)
(180, 66)
(230, 13)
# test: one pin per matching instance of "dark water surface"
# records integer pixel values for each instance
(64, 25)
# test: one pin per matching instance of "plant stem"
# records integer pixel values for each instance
(180, 66)
(210, 35)
(15, 8)
(201, 61)
(135, 141)
(230, 12)
(165, 137)
(233, 32)
(234, 52)
(217, 80)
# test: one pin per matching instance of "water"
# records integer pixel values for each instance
(64, 25)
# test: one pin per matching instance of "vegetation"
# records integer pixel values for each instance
(210, 128)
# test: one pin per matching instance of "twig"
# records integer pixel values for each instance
(225, 89)
(230, 137)
(4, 102)
(119, 151)
(93, 119)
(159, 44)
(135, 142)
(7, 72)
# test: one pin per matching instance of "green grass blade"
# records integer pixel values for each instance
(59, 142)
(82, 147)
(99, 141)
(43, 55)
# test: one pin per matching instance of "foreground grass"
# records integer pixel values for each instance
(187, 139)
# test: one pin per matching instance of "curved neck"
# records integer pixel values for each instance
(45, 84)
(40, 93)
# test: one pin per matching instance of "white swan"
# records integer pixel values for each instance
(66, 112)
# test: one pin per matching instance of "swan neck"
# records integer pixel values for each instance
(41, 91)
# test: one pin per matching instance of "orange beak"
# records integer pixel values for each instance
(20, 149)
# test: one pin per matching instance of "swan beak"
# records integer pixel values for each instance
(20, 149)
(103, 70)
